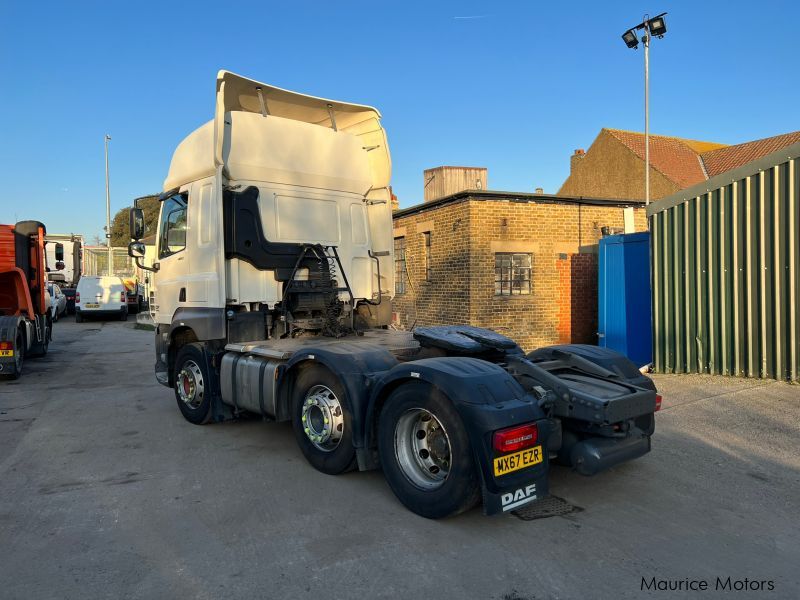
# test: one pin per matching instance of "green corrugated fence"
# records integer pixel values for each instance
(725, 256)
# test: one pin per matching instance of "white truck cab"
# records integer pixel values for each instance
(275, 170)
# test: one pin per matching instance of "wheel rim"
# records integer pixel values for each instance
(189, 384)
(422, 448)
(322, 418)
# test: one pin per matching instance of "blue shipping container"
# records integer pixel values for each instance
(624, 310)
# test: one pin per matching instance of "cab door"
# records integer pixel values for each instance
(171, 256)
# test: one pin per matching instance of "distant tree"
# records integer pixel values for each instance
(120, 234)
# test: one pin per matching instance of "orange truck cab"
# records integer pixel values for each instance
(25, 324)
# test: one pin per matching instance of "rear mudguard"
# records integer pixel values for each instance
(9, 324)
(487, 399)
(602, 357)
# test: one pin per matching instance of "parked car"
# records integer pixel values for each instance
(70, 295)
(58, 301)
(102, 297)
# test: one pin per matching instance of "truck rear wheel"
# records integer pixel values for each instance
(40, 349)
(425, 452)
(322, 421)
(192, 390)
(19, 354)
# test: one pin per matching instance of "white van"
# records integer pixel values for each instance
(100, 296)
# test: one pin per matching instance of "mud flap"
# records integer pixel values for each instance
(513, 497)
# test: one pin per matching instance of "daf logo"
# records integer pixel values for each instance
(518, 497)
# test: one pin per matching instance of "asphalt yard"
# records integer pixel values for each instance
(106, 491)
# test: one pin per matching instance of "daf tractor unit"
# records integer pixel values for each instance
(26, 325)
(273, 284)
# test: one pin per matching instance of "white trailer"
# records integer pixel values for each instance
(272, 288)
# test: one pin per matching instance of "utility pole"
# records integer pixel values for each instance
(108, 216)
(646, 42)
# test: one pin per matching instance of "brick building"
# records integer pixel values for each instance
(613, 167)
(524, 265)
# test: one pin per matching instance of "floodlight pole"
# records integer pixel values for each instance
(108, 216)
(646, 42)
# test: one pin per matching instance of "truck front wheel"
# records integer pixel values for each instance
(322, 422)
(425, 452)
(192, 384)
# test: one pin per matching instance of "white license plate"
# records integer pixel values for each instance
(92, 305)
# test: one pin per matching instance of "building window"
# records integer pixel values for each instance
(427, 237)
(399, 265)
(512, 273)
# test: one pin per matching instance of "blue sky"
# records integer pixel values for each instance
(516, 87)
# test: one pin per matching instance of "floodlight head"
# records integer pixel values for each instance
(630, 39)
(657, 26)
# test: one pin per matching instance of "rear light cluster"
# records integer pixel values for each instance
(658, 402)
(122, 297)
(77, 297)
(5, 346)
(515, 438)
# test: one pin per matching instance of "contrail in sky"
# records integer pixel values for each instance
(471, 17)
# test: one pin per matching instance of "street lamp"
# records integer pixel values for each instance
(656, 26)
(108, 215)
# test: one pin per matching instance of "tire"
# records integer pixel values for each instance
(420, 436)
(192, 384)
(78, 317)
(19, 354)
(41, 349)
(123, 316)
(320, 410)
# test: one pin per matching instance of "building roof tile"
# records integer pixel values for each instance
(676, 158)
(731, 157)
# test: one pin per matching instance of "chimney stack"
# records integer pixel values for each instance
(580, 153)
(446, 181)
(539, 191)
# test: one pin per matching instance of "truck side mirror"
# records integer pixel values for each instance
(136, 249)
(59, 253)
(137, 224)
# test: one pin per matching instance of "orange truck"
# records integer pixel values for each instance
(25, 323)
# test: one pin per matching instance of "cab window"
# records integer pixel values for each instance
(173, 226)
